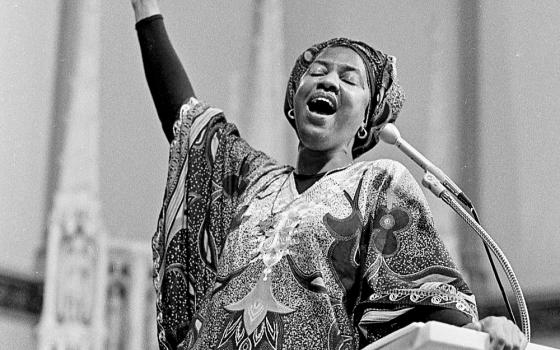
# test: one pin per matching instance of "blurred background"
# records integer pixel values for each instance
(83, 154)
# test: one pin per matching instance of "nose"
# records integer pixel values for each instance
(329, 82)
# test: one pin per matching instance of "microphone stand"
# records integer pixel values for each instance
(494, 270)
(434, 185)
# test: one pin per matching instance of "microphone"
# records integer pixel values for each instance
(391, 135)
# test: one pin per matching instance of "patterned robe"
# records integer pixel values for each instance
(243, 261)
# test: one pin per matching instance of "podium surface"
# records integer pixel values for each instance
(437, 336)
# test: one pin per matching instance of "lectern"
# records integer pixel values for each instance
(437, 336)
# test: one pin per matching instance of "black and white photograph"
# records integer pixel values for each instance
(279, 175)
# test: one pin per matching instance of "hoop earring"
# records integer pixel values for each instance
(362, 132)
(291, 114)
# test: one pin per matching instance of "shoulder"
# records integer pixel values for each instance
(373, 175)
(388, 180)
(388, 171)
(389, 166)
(396, 178)
(370, 181)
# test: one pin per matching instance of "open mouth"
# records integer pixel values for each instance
(322, 103)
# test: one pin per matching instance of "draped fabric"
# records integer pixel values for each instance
(244, 261)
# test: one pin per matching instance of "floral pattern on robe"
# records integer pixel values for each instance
(244, 261)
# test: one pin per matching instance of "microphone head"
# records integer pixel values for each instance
(389, 134)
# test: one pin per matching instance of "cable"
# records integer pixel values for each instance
(465, 215)
(468, 203)
(488, 253)
(437, 188)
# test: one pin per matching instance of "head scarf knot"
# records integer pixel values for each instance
(386, 95)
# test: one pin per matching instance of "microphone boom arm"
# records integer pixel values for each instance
(391, 135)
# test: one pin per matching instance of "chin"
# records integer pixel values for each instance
(314, 139)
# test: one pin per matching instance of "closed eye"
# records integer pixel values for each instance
(351, 78)
(317, 70)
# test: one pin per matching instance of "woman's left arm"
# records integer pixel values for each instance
(409, 275)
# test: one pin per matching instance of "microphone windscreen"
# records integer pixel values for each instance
(389, 134)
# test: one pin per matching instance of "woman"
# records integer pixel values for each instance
(333, 254)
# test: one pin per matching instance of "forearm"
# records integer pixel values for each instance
(166, 77)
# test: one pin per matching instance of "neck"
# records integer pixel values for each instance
(311, 162)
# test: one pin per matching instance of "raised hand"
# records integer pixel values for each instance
(145, 8)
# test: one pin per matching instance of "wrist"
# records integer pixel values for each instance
(145, 9)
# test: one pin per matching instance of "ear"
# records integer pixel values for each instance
(384, 114)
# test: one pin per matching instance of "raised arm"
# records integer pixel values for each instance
(168, 82)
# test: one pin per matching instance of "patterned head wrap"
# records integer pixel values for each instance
(386, 97)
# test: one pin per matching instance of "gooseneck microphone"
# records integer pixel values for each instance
(391, 135)
(437, 182)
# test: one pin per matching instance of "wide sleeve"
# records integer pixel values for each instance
(407, 273)
(211, 168)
